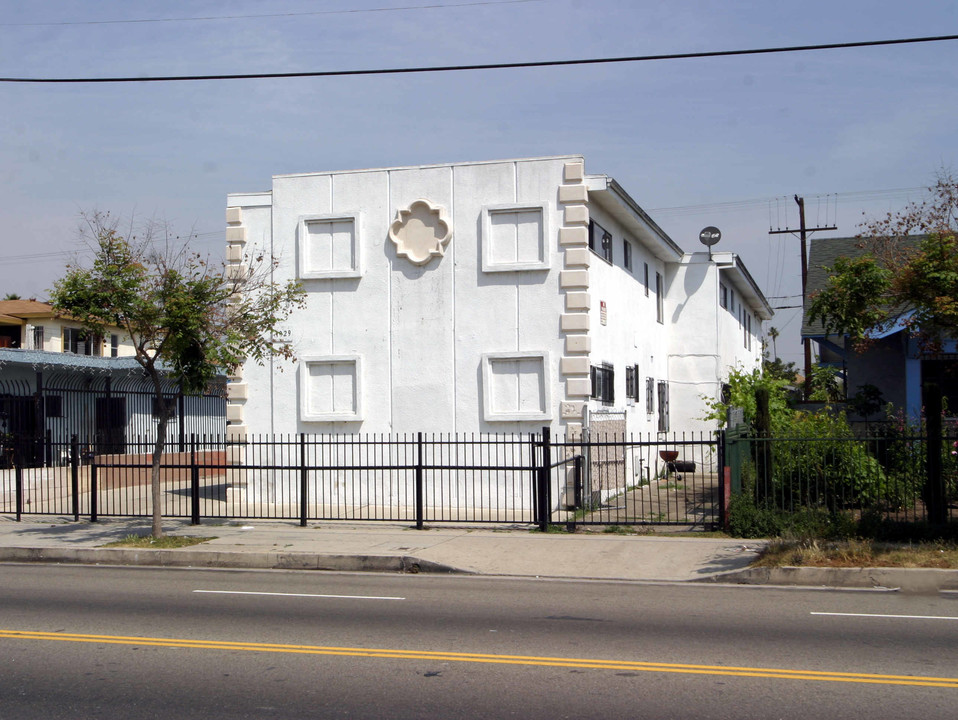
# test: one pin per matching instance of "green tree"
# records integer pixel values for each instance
(742, 385)
(900, 278)
(189, 319)
(11, 296)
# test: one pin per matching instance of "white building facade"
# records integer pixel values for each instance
(498, 296)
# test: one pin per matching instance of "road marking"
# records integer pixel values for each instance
(529, 660)
(899, 617)
(277, 594)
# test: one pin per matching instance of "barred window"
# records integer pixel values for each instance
(603, 381)
(649, 395)
(600, 240)
(632, 382)
(663, 406)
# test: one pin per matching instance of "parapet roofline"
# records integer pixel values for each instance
(566, 158)
(612, 198)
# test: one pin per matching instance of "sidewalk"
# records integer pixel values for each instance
(389, 547)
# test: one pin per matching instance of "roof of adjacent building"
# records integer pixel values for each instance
(822, 254)
(15, 310)
(42, 359)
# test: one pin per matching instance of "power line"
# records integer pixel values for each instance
(731, 205)
(485, 66)
(203, 18)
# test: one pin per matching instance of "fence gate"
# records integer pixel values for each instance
(610, 478)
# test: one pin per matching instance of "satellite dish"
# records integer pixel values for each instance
(710, 236)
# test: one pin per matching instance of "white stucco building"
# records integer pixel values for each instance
(493, 296)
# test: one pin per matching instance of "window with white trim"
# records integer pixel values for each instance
(514, 237)
(330, 388)
(516, 386)
(81, 342)
(329, 246)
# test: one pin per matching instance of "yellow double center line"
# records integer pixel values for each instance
(530, 660)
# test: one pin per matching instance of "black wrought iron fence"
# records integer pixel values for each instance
(888, 475)
(408, 478)
(106, 414)
(623, 479)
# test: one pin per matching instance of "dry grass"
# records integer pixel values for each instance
(858, 553)
(167, 542)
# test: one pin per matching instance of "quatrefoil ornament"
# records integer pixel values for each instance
(420, 232)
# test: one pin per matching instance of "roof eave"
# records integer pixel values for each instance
(612, 198)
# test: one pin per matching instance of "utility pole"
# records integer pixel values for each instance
(803, 233)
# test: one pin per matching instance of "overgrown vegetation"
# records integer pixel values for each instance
(808, 476)
(858, 553)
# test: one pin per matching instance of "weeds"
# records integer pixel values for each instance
(167, 542)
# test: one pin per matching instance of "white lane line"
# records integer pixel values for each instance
(898, 617)
(277, 594)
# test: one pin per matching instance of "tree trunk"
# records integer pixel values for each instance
(158, 448)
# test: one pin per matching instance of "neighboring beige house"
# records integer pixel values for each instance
(33, 325)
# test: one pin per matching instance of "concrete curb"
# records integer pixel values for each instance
(226, 559)
(916, 580)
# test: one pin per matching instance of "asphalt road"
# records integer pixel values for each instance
(142, 642)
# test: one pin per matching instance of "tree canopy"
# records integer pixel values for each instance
(189, 318)
(899, 281)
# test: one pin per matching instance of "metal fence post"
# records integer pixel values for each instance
(577, 477)
(194, 483)
(545, 506)
(302, 480)
(18, 477)
(75, 476)
(720, 471)
(93, 490)
(934, 487)
(419, 470)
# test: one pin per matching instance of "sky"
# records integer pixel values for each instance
(724, 141)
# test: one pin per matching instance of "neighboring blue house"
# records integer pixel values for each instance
(894, 363)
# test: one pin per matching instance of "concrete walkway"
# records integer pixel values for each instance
(390, 547)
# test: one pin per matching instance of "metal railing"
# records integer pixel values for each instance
(893, 475)
(416, 478)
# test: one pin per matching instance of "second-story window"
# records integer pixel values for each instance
(659, 299)
(600, 240)
(627, 254)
